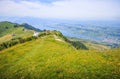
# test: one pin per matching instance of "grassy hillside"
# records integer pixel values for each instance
(6, 38)
(11, 30)
(50, 57)
(92, 44)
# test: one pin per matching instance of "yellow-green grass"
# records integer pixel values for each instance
(16, 33)
(23, 34)
(96, 46)
(92, 45)
(9, 28)
(47, 58)
(8, 31)
(6, 38)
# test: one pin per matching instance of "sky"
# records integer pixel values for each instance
(62, 9)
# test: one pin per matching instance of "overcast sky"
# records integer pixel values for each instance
(63, 9)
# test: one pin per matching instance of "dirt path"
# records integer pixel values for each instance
(57, 38)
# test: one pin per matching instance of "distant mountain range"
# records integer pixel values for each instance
(27, 26)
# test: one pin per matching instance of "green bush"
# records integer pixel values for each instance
(42, 34)
(79, 45)
(30, 38)
(15, 41)
(8, 44)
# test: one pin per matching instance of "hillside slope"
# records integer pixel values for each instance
(50, 57)
(11, 31)
(92, 45)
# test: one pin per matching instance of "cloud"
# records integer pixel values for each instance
(65, 9)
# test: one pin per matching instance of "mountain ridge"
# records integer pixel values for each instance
(48, 58)
(14, 30)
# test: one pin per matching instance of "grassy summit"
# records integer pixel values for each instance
(51, 57)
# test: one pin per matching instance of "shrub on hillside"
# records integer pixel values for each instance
(30, 38)
(43, 34)
(15, 41)
(7, 44)
(15, 25)
(79, 45)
